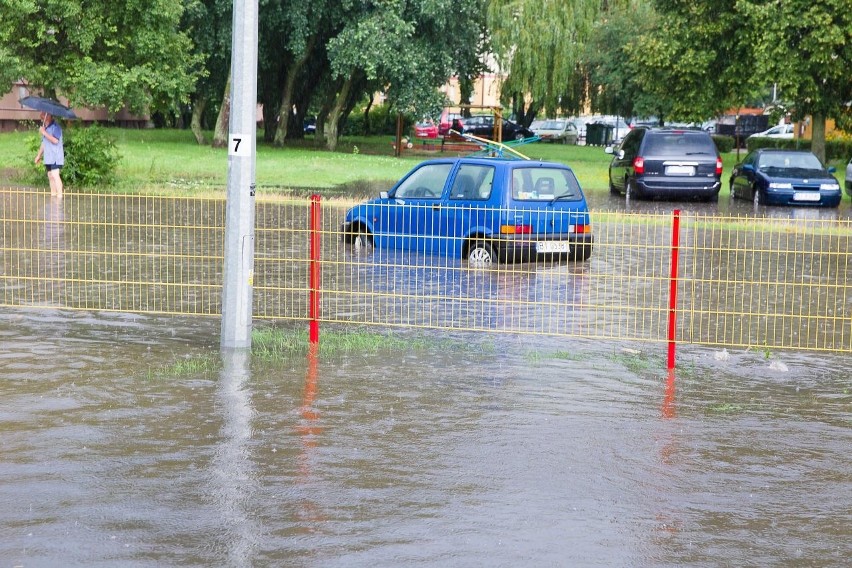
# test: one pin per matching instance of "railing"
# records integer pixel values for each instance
(742, 282)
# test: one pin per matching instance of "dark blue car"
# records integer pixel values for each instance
(480, 209)
(785, 177)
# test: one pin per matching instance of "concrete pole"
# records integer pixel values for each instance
(239, 211)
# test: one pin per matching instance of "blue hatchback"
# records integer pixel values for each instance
(479, 209)
(785, 177)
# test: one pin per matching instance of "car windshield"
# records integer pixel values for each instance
(427, 181)
(539, 184)
(789, 161)
(554, 125)
(679, 144)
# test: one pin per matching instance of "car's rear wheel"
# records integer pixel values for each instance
(519, 136)
(581, 252)
(481, 254)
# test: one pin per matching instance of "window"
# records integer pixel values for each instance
(473, 183)
(538, 184)
(428, 182)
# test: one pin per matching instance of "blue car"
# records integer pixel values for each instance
(771, 176)
(484, 210)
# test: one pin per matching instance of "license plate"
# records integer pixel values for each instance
(551, 246)
(680, 170)
(806, 196)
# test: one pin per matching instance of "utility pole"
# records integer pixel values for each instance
(240, 207)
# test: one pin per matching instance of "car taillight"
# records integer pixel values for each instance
(582, 229)
(639, 165)
(718, 166)
(516, 229)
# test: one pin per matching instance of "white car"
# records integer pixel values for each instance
(558, 130)
(849, 177)
(780, 131)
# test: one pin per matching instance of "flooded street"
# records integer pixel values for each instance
(466, 449)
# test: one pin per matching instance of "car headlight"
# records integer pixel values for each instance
(779, 185)
(829, 186)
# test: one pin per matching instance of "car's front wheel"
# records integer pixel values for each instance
(481, 254)
(360, 239)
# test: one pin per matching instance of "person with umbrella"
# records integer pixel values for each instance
(53, 152)
(51, 149)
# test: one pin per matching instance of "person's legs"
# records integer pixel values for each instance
(55, 182)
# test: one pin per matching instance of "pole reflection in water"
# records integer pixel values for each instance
(233, 477)
(669, 410)
(309, 432)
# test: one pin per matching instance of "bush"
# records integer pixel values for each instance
(723, 143)
(91, 158)
(382, 121)
(835, 148)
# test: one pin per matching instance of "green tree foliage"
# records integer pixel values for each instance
(98, 52)
(540, 44)
(707, 56)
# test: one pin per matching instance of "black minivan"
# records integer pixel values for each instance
(666, 164)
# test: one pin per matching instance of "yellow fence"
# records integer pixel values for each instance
(743, 282)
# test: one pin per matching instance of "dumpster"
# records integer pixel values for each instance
(599, 134)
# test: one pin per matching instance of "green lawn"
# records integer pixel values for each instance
(170, 160)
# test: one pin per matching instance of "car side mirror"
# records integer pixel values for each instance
(383, 195)
(621, 154)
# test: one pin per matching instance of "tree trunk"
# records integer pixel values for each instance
(332, 124)
(367, 129)
(220, 134)
(284, 113)
(195, 125)
(818, 136)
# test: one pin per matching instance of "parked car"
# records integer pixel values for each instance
(484, 210)
(667, 164)
(309, 125)
(426, 129)
(558, 130)
(770, 176)
(483, 126)
(446, 120)
(537, 125)
(849, 177)
(784, 131)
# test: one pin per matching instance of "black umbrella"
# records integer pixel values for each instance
(49, 106)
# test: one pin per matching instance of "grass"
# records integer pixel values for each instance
(156, 161)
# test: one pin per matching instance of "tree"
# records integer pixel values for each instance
(806, 48)
(707, 56)
(540, 44)
(111, 53)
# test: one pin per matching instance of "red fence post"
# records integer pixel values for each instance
(314, 296)
(670, 364)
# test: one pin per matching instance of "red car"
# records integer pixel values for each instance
(426, 129)
(446, 121)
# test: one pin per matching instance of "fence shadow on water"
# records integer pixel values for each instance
(743, 282)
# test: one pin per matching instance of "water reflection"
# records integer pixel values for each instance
(309, 429)
(233, 481)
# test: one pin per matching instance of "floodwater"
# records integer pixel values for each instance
(477, 449)
(129, 440)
